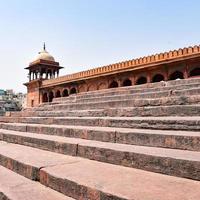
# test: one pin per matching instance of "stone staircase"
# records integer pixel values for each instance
(134, 143)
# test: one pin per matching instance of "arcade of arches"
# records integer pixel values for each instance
(120, 81)
(44, 84)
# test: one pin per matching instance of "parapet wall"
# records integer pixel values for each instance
(131, 64)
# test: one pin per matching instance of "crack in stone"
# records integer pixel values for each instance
(59, 164)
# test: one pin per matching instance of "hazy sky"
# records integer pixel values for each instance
(82, 34)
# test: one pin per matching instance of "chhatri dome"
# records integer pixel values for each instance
(44, 66)
(44, 55)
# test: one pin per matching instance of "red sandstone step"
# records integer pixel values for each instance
(112, 96)
(146, 95)
(181, 100)
(125, 91)
(180, 163)
(87, 179)
(176, 110)
(16, 187)
(162, 123)
(187, 140)
(162, 86)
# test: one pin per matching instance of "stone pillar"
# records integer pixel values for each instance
(51, 75)
(46, 74)
(148, 77)
(185, 72)
(166, 73)
(29, 75)
(132, 80)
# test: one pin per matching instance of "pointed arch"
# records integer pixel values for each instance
(157, 78)
(127, 82)
(58, 94)
(195, 72)
(176, 75)
(114, 84)
(51, 96)
(45, 97)
(141, 80)
(73, 90)
(65, 93)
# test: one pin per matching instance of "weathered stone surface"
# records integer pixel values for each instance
(154, 111)
(16, 187)
(86, 179)
(162, 123)
(186, 140)
(155, 87)
(103, 181)
(181, 100)
(28, 161)
(132, 95)
(167, 161)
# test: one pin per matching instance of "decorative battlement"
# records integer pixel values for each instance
(126, 65)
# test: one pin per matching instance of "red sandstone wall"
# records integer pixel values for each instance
(33, 96)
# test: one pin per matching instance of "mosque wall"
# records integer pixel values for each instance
(178, 64)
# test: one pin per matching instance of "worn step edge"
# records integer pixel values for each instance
(174, 110)
(167, 161)
(100, 180)
(181, 100)
(17, 187)
(162, 123)
(146, 95)
(186, 140)
(163, 87)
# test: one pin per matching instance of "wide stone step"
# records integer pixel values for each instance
(152, 87)
(181, 100)
(186, 140)
(16, 187)
(176, 110)
(138, 95)
(180, 163)
(160, 123)
(86, 179)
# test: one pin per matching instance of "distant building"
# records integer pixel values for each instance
(2, 94)
(10, 101)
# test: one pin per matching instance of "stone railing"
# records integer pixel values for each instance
(135, 63)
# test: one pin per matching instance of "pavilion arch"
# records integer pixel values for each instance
(45, 97)
(65, 93)
(73, 90)
(51, 96)
(58, 94)
(114, 84)
(195, 72)
(127, 82)
(158, 78)
(176, 75)
(141, 80)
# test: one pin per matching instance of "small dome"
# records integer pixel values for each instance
(44, 55)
